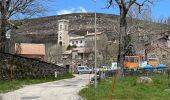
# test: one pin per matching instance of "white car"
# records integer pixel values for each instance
(83, 70)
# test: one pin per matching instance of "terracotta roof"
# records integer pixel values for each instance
(27, 48)
(81, 50)
(92, 34)
(76, 38)
(67, 52)
(78, 50)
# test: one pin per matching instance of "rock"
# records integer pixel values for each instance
(144, 79)
(167, 90)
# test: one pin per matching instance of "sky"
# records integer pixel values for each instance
(160, 9)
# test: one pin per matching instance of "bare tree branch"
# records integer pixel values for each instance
(124, 38)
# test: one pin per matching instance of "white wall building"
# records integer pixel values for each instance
(79, 41)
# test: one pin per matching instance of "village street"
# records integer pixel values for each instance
(66, 89)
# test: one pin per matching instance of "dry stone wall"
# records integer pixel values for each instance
(20, 68)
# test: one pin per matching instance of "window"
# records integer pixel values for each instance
(80, 41)
(86, 68)
(60, 38)
(163, 56)
(65, 27)
(76, 42)
(60, 43)
(81, 68)
(135, 60)
(60, 27)
(72, 42)
(81, 55)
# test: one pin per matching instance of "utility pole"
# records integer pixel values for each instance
(95, 44)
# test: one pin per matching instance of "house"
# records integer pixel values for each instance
(78, 56)
(30, 50)
(78, 41)
(159, 48)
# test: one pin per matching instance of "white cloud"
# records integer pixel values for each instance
(72, 10)
(83, 9)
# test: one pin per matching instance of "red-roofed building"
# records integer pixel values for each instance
(30, 50)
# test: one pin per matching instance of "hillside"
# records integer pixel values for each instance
(79, 23)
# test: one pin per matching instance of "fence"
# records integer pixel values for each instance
(135, 72)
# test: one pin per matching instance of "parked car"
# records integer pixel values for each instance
(105, 68)
(83, 70)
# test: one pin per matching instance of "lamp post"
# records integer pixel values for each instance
(95, 44)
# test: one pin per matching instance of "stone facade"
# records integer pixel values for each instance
(159, 48)
(63, 37)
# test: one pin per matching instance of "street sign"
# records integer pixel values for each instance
(114, 66)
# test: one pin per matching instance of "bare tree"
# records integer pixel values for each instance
(144, 15)
(136, 28)
(124, 6)
(168, 21)
(9, 8)
(101, 47)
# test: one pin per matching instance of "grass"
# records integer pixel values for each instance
(127, 89)
(6, 86)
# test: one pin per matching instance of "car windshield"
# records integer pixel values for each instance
(132, 60)
(80, 68)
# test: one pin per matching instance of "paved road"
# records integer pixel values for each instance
(59, 90)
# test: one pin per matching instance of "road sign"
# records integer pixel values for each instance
(114, 66)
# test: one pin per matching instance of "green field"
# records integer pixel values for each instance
(127, 89)
(6, 86)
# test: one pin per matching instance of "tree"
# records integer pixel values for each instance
(101, 47)
(9, 8)
(124, 39)
(137, 27)
(168, 22)
(144, 15)
(70, 47)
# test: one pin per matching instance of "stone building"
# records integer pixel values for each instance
(63, 37)
(83, 54)
(78, 41)
(159, 48)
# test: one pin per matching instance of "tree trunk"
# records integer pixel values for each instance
(122, 39)
(3, 26)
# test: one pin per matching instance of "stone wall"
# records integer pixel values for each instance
(20, 68)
